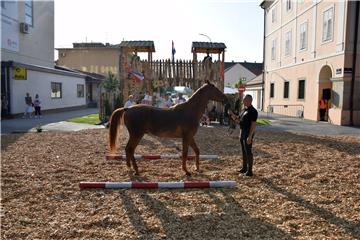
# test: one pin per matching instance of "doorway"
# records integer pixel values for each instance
(325, 91)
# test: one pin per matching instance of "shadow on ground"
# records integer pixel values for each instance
(231, 222)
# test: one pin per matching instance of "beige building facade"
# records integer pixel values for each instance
(309, 53)
(91, 57)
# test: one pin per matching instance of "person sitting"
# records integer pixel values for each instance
(147, 99)
(167, 103)
(205, 121)
(180, 99)
(213, 114)
(130, 102)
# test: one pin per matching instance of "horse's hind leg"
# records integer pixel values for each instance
(197, 152)
(130, 150)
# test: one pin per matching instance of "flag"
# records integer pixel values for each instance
(137, 75)
(173, 51)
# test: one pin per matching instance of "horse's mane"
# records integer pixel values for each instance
(193, 97)
(197, 92)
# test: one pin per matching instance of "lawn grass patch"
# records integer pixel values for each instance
(89, 119)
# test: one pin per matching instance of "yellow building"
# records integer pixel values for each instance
(91, 57)
(309, 53)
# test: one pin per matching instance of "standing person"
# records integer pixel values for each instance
(28, 105)
(322, 108)
(129, 102)
(226, 114)
(37, 106)
(247, 121)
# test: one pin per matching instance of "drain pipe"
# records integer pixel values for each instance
(353, 74)
(263, 70)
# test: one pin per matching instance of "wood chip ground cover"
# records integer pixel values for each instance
(304, 187)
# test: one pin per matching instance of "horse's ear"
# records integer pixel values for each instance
(208, 82)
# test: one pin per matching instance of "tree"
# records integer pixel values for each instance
(112, 98)
(111, 83)
(240, 82)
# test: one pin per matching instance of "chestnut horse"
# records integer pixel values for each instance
(179, 121)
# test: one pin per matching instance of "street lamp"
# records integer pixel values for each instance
(208, 38)
(205, 36)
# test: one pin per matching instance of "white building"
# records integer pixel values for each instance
(27, 60)
(234, 71)
(254, 87)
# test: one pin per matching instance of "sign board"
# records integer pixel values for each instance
(347, 70)
(19, 73)
(241, 89)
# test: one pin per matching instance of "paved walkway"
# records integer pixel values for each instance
(49, 122)
(296, 125)
(55, 122)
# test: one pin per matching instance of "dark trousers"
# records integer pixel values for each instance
(247, 157)
(322, 114)
(37, 111)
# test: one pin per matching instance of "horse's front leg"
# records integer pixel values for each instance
(185, 155)
(197, 152)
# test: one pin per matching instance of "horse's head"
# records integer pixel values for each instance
(214, 93)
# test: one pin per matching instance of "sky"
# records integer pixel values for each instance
(237, 23)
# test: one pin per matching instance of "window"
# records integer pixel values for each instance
(303, 36)
(272, 89)
(3, 5)
(56, 91)
(327, 25)
(286, 89)
(288, 43)
(301, 90)
(288, 5)
(273, 50)
(29, 12)
(273, 15)
(80, 90)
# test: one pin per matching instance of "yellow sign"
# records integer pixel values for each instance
(19, 73)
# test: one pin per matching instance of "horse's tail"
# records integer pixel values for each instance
(116, 119)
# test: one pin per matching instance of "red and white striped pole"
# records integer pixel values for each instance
(162, 156)
(155, 185)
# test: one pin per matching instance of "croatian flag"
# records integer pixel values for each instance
(137, 75)
(173, 51)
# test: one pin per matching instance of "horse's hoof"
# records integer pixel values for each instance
(249, 174)
(188, 174)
